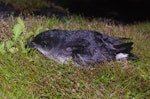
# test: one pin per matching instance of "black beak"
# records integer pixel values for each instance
(29, 45)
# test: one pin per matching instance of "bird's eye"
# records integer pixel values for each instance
(51, 36)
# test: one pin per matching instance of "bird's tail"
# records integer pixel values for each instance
(132, 56)
(123, 51)
(124, 47)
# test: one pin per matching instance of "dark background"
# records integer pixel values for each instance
(125, 11)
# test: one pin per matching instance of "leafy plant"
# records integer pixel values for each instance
(2, 45)
(9, 45)
(18, 29)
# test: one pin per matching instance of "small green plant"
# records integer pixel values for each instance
(10, 45)
(2, 46)
(18, 29)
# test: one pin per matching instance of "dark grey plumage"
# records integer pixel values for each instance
(84, 46)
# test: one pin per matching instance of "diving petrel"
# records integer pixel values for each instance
(85, 47)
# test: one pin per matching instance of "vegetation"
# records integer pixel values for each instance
(27, 74)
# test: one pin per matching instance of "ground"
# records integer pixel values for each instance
(26, 73)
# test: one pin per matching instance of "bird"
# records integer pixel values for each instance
(84, 47)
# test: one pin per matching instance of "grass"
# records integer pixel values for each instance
(27, 74)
